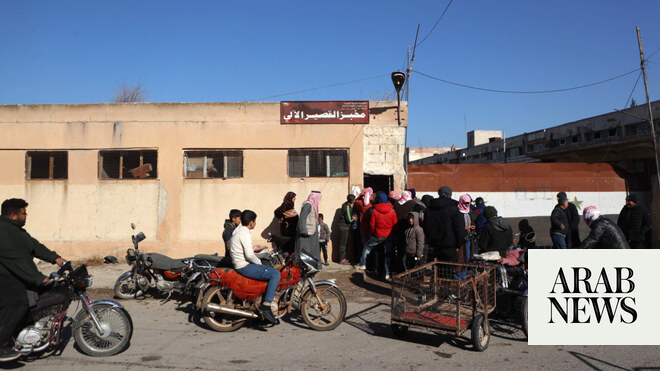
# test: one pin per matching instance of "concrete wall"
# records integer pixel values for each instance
(85, 216)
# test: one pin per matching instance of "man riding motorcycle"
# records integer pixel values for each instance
(18, 273)
(605, 234)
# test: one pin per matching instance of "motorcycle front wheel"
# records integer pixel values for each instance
(127, 287)
(114, 336)
(328, 313)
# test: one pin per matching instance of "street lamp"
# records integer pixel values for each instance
(398, 78)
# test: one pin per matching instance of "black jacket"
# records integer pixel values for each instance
(557, 219)
(17, 251)
(604, 235)
(443, 224)
(497, 235)
(634, 222)
(574, 225)
(345, 217)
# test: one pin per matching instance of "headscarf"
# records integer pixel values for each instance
(444, 191)
(405, 197)
(461, 203)
(394, 196)
(366, 195)
(413, 193)
(288, 200)
(590, 213)
(315, 199)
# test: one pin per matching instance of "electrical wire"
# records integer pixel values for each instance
(522, 91)
(436, 23)
(649, 57)
(321, 87)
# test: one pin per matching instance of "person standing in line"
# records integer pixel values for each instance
(414, 242)
(559, 224)
(402, 208)
(479, 223)
(287, 216)
(383, 225)
(363, 204)
(444, 227)
(469, 216)
(497, 234)
(307, 240)
(635, 221)
(230, 224)
(346, 219)
(573, 235)
(324, 237)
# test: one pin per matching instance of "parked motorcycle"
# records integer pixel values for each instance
(229, 299)
(167, 275)
(101, 328)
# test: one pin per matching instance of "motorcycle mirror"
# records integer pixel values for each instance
(140, 237)
(133, 226)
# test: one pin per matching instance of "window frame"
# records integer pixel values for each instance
(225, 156)
(122, 153)
(51, 164)
(326, 161)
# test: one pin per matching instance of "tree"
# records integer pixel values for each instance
(126, 93)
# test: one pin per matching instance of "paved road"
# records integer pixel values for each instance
(170, 337)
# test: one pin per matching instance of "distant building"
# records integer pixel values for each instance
(416, 153)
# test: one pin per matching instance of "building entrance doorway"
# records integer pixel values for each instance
(382, 183)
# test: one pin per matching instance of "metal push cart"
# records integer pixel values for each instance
(431, 297)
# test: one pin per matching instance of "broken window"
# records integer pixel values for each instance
(321, 163)
(47, 165)
(213, 164)
(128, 164)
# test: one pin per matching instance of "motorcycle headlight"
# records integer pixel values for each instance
(85, 282)
(130, 256)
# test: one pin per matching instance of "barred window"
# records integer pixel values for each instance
(318, 163)
(47, 165)
(213, 164)
(128, 164)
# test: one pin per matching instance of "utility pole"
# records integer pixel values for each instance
(410, 65)
(648, 102)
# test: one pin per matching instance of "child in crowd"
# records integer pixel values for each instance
(230, 224)
(414, 241)
(324, 236)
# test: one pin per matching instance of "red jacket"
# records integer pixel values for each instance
(383, 220)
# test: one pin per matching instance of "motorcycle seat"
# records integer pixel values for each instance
(218, 261)
(160, 261)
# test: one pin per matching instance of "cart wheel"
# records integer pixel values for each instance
(523, 315)
(480, 333)
(399, 331)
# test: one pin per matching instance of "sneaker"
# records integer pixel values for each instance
(388, 278)
(360, 267)
(8, 353)
(326, 263)
(452, 297)
(268, 314)
(345, 262)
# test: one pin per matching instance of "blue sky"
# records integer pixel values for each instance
(205, 51)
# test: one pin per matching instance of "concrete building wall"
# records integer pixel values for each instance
(84, 215)
(478, 137)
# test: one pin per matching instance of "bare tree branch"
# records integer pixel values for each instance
(130, 93)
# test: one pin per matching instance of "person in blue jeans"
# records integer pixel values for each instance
(247, 264)
(382, 223)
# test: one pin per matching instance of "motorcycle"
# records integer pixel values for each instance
(101, 328)
(167, 275)
(228, 299)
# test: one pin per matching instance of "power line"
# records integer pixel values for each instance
(522, 91)
(320, 87)
(436, 23)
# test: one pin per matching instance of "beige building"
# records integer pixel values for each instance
(176, 169)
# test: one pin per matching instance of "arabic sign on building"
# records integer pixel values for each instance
(321, 112)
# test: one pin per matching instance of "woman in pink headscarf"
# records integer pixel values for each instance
(307, 239)
(393, 196)
(464, 206)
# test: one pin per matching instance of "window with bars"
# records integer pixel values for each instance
(47, 165)
(128, 164)
(318, 163)
(213, 164)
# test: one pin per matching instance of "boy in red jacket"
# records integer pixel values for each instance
(382, 224)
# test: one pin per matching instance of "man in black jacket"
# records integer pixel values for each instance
(634, 221)
(573, 235)
(18, 271)
(497, 234)
(559, 224)
(346, 218)
(443, 226)
(604, 233)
